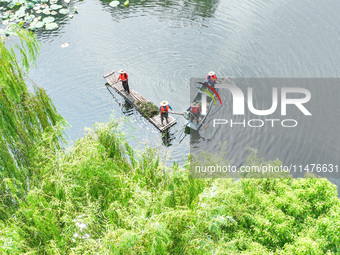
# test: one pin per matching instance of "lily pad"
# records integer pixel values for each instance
(47, 12)
(33, 23)
(114, 3)
(19, 20)
(48, 20)
(67, 1)
(64, 11)
(29, 18)
(39, 24)
(56, 6)
(6, 16)
(54, 13)
(30, 5)
(51, 26)
(21, 12)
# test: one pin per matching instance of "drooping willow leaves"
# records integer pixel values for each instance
(24, 113)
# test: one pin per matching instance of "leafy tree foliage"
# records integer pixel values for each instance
(24, 114)
(129, 203)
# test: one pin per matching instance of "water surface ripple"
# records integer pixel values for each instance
(162, 44)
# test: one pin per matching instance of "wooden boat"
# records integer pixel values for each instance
(194, 123)
(134, 97)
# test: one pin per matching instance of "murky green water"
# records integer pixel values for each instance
(162, 44)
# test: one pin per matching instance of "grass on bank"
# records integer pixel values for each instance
(129, 203)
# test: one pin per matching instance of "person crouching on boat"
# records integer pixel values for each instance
(164, 111)
(195, 112)
(211, 78)
(123, 76)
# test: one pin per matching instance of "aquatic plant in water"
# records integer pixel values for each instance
(114, 3)
(31, 14)
(148, 109)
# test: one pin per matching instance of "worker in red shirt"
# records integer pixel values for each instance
(195, 112)
(164, 110)
(123, 76)
(211, 78)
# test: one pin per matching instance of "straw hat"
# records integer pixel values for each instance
(211, 73)
(194, 104)
(164, 103)
(121, 71)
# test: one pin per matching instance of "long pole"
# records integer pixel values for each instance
(183, 113)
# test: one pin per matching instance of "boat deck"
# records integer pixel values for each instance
(135, 97)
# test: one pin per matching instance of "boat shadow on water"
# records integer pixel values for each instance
(126, 107)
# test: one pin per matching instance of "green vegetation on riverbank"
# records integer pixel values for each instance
(102, 197)
(132, 204)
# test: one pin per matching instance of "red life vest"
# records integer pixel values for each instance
(195, 109)
(123, 76)
(212, 77)
(165, 108)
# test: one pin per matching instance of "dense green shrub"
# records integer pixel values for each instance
(132, 204)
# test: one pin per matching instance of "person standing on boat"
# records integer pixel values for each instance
(211, 78)
(195, 112)
(164, 110)
(123, 76)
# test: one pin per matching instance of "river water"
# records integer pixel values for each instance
(162, 44)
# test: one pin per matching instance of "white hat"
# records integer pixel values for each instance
(121, 71)
(211, 73)
(164, 103)
(194, 104)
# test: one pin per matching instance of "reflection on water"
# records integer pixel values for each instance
(125, 106)
(174, 9)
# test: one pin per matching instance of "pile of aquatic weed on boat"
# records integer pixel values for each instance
(148, 109)
(33, 14)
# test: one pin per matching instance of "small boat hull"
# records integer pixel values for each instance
(193, 125)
